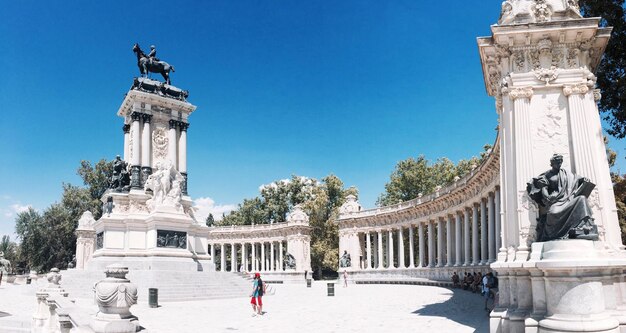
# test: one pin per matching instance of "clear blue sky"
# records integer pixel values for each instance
(282, 87)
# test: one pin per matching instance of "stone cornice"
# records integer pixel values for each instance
(455, 198)
(134, 96)
(257, 232)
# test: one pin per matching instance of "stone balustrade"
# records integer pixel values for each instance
(456, 228)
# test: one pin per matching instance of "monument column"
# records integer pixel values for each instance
(212, 245)
(172, 142)
(263, 256)
(431, 244)
(253, 256)
(498, 222)
(223, 257)
(491, 239)
(272, 264)
(411, 247)
(244, 257)
(475, 247)
(126, 129)
(280, 256)
(233, 257)
(400, 248)
(422, 245)
(439, 242)
(368, 250)
(146, 148)
(457, 243)
(182, 155)
(390, 250)
(135, 171)
(466, 236)
(381, 263)
(449, 241)
(483, 232)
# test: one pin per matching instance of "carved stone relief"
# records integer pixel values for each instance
(159, 143)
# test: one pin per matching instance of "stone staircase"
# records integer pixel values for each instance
(173, 286)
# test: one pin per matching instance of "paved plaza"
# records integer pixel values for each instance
(295, 308)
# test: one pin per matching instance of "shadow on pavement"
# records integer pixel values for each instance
(463, 307)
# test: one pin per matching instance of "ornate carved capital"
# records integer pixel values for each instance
(575, 89)
(173, 123)
(183, 126)
(597, 95)
(126, 128)
(136, 116)
(147, 118)
(515, 93)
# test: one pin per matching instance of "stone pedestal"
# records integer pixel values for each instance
(85, 239)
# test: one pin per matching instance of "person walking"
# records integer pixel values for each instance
(256, 295)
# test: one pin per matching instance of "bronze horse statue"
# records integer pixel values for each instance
(147, 65)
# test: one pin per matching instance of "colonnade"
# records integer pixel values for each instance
(138, 149)
(464, 237)
(266, 256)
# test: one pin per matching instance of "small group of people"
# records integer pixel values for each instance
(487, 284)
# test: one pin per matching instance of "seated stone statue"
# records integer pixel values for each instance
(5, 265)
(345, 260)
(290, 261)
(120, 180)
(563, 208)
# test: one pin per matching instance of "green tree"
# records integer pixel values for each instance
(612, 70)
(417, 175)
(210, 220)
(48, 239)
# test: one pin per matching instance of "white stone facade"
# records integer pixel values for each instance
(450, 230)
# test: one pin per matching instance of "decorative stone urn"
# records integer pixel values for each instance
(114, 296)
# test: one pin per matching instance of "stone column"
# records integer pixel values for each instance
(244, 257)
(263, 256)
(439, 243)
(411, 247)
(223, 258)
(172, 140)
(135, 160)
(483, 232)
(498, 224)
(233, 257)
(146, 148)
(213, 253)
(431, 244)
(280, 256)
(390, 254)
(449, 241)
(272, 264)
(368, 250)
(458, 242)
(400, 249)
(253, 257)
(182, 155)
(126, 129)
(381, 263)
(422, 245)
(466, 237)
(491, 240)
(475, 248)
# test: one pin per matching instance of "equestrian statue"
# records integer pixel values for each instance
(150, 63)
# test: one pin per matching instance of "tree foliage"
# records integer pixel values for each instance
(417, 175)
(320, 200)
(612, 70)
(47, 238)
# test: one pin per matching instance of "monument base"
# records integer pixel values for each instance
(566, 286)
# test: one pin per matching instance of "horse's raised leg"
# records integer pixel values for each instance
(166, 76)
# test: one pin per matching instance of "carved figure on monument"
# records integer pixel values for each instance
(345, 260)
(149, 63)
(350, 206)
(564, 211)
(86, 220)
(165, 184)
(120, 181)
(290, 261)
